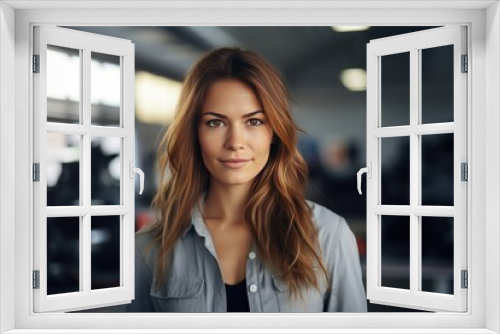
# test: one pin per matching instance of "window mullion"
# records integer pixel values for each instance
(414, 169)
(85, 184)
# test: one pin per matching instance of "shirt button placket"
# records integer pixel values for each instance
(252, 278)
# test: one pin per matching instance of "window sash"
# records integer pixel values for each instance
(85, 297)
(414, 298)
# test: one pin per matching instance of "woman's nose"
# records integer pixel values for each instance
(235, 138)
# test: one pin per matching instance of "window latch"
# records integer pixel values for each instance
(133, 170)
(368, 171)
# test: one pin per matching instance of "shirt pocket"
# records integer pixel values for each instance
(282, 292)
(312, 301)
(179, 294)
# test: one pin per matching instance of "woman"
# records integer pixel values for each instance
(235, 232)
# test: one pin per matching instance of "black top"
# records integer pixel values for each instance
(237, 298)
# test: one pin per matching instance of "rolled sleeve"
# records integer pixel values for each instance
(348, 293)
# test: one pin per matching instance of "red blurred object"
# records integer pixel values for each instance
(361, 245)
(142, 220)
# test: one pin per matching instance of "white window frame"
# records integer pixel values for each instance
(483, 21)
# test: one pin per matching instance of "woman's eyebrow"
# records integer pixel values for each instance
(225, 117)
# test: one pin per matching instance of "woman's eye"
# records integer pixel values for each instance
(255, 121)
(214, 123)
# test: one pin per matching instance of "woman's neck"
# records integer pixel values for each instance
(226, 204)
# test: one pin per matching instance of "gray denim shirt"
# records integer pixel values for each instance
(194, 282)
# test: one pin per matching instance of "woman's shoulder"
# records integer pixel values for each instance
(145, 249)
(324, 216)
(143, 238)
(328, 223)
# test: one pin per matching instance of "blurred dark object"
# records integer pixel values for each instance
(105, 252)
(332, 176)
(63, 254)
(437, 169)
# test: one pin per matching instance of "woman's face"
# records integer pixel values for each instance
(235, 137)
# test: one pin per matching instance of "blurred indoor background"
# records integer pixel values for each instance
(325, 71)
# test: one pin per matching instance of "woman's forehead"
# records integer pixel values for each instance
(231, 97)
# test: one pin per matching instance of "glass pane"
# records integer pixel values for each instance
(396, 252)
(63, 169)
(437, 84)
(63, 255)
(437, 254)
(395, 164)
(63, 85)
(395, 89)
(437, 169)
(105, 170)
(105, 261)
(105, 89)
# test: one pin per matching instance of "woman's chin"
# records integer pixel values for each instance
(231, 182)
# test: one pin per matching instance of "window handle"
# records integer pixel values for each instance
(133, 170)
(368, 171)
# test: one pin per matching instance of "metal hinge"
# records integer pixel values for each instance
(36, 172)
(36, 63)
(36, 279)
(465, 64)
(464, 171)
(465, 279)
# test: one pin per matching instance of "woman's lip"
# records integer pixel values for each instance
(235, 164)
(235, 160)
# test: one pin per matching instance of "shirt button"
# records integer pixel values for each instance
(251, 255)
(253, 288)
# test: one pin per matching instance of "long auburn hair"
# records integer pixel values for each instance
(276, 212)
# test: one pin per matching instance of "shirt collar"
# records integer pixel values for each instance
(197, 219)
(198, 224)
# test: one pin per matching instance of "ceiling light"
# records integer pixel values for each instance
(156, 98)
(354, 79)
(350, 28)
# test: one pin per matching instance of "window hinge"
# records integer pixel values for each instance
(36, 63)
(36, 172)
(465, 279)
(465, 64)
(36, 279)
(465, 171)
